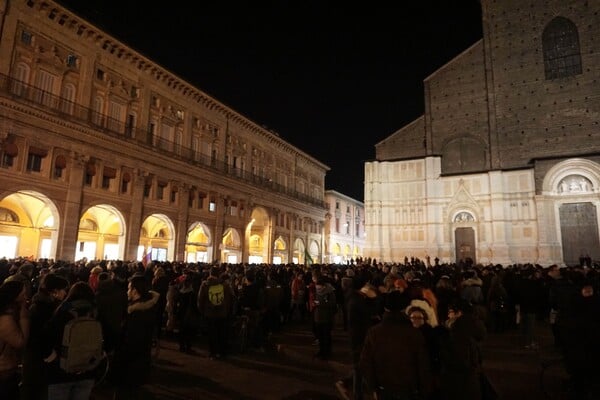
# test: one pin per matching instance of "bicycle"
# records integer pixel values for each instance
(239, 331)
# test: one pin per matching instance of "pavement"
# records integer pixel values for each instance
(287, 370)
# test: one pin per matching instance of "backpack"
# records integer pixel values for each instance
(216, 294)
(82, 345)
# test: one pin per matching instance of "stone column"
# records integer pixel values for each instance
(181, 233)
(69, 226)
(134, 229)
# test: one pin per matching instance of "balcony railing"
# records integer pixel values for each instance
(118, 129)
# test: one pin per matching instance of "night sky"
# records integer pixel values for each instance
(333, 80)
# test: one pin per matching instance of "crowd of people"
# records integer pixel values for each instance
(415, 329)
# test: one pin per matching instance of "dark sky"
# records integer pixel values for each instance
(332, 80)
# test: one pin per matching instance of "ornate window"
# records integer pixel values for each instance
(574, 184)
(463, 216)
(560, 41)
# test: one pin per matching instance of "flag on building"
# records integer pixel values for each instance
(147, 257)
(308, 260)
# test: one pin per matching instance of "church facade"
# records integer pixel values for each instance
(503, 167)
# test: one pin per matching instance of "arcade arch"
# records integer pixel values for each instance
(29, 224)
(157, 238)
(198, 246)
(101, 234)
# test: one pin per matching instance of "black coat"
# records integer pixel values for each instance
(34, 372)
(133, 356)
(111, 301)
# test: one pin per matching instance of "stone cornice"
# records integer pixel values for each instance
(85, 30)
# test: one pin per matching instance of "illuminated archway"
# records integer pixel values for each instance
(157, 238)
(198, 246)
(280, 251)
(29, 224)
(101, 234)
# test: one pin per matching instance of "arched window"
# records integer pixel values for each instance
(560, 42)
(464, 154)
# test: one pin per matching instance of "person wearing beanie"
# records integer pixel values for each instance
(394, 359)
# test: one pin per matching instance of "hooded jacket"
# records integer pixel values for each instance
(133, 356)
(206, 308)
(325, 305)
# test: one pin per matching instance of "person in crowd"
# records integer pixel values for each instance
(422, 316)
(51, 292)
(581, 345)
(446, 293)
(347, 287)
(324, 314)
(133, 359)
(14, 334)
(216, 308)
(471, 288)
(93, 278)
(273, 300)
(252, 303)
(80, 301)
(460, 355)
(25, 274)
(111, 303)
(561, 291)
(311, 290)
(160, 284)
(362, 314)
(298, 297)
(171, 306)
(394, 359)
(497, 303)
(530, 300)
(188, 315)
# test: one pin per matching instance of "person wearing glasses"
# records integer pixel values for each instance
(420, 315)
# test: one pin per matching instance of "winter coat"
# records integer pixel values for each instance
(362, 314)
(395, 357)
(325, 304)
(111, 301)
(471, 291)
(34, 368)
(206, 308)
(460, 358)
(133, 356)
(298, 289)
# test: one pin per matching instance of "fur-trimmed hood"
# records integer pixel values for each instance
(423, 305)
(144, 305)
(476, 281)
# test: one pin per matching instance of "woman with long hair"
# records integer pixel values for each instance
(14, 332)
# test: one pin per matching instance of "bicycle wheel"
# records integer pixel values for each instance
(243, 336)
